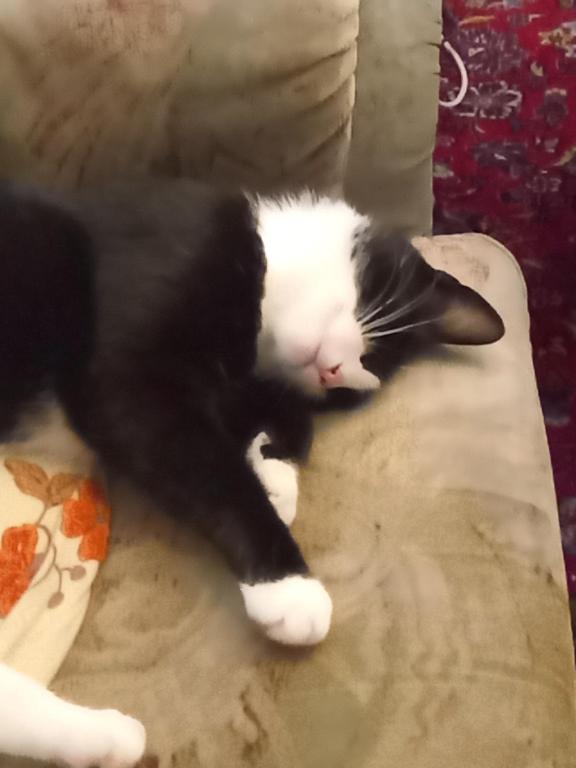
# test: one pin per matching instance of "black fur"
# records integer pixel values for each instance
(393, 274)
(140, 308)
(142, 318)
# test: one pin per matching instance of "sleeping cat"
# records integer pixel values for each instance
(188, 334)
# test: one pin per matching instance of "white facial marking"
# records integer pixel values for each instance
(295, 610)
(310, 333)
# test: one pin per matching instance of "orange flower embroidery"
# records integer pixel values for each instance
(88, 516)
(18, 546)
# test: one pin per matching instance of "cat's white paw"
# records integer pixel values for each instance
(295, 610)
(254, 452)
(128, 740)
(104, 738)
(279, 478)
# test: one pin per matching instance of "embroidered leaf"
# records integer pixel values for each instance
(62, 486)
(77, 573)
(29, 478)
(56, 600)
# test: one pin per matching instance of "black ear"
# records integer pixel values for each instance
(463, 316)
(424, 303)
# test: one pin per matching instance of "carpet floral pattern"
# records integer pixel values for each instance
(505, 165)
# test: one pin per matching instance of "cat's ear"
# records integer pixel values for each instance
(463, 316)
(431, 302)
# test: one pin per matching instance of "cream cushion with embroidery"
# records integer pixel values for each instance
(54, 525)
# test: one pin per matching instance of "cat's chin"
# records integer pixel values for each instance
(307, 380)
(318, 394)
(304, 382)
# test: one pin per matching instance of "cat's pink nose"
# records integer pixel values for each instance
(331, 377)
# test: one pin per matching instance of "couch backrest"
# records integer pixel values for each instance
(394, 120)
(257, 93)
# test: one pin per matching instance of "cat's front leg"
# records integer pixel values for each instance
(279, 478)
(181, 456)
(100, 737)
(36, 723)
(290, 605)
(295, 606)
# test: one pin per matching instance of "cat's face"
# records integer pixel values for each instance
(338, 294)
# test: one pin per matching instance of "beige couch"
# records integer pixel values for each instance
(430, 515)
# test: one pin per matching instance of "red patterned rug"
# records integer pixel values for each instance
(505, 164)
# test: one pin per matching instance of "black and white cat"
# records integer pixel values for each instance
(188, 334)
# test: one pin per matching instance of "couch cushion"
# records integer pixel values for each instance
(431, 517)
(94, 89)
(54, 528)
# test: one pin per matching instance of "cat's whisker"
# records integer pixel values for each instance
(377, 325)
(372, 308)
(401, 311)
(413, 303)
(377, 304)
(401, 329)
(379, 322)
(363, 319)
(404, 280)
(386, 321)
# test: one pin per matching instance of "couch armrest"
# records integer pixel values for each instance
(430, 516)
